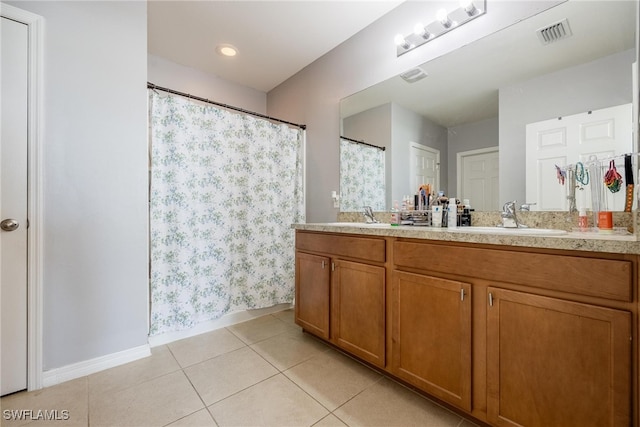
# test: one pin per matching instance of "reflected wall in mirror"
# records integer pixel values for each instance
(473, 107)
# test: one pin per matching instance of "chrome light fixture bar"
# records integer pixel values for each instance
(445, 21)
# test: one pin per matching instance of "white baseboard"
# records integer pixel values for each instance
(87, 367)
(224, 321)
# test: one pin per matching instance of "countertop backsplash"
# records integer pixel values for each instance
(556, 219)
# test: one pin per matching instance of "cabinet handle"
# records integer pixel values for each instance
(490, 299)
(323, 264)
(461, 294)
(333, 266)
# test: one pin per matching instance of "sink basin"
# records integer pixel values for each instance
(360, 224)
(509, 231)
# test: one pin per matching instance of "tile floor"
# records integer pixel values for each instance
(264, 372)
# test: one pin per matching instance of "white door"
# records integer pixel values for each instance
(478, 172)
(13, 207)
(567, 140)
(424, 166)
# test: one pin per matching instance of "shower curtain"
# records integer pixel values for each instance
(362, 181)
(225, 189)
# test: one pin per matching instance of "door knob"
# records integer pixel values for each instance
(9, 224)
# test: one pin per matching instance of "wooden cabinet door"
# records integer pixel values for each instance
(431, 335)
(556, 363)
(358, 310)
(313, 278)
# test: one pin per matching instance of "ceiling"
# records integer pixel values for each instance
(462, 86)
(275, 39)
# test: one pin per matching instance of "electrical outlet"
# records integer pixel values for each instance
(336, 199)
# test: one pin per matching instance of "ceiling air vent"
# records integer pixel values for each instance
(413, 75)
(554, 32)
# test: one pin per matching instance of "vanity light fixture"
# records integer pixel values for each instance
(444, 22)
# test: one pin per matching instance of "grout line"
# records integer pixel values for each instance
(313, 398)
(206, 408)
(240, 391)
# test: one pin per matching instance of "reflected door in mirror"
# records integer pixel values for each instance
(478, 172)
(425, 166)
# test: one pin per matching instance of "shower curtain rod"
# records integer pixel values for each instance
(230, 107)
(362, 142)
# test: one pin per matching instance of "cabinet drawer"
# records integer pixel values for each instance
(605, 278)
(364, 248)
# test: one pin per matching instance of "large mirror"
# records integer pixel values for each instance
(462, 127)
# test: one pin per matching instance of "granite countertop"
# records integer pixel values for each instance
(580, 241)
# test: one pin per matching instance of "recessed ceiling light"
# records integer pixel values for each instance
(226, 50)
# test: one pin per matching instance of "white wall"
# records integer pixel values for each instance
(599, 84)
(170, 75)
(312, 96)
(95, 179)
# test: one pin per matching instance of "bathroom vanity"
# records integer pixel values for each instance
(512, 330)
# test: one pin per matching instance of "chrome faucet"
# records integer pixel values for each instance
(509, 217)
(368, 214)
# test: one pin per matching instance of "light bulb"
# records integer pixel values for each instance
(443, 18)
(468, 7)
(421, 31)
(400, 41)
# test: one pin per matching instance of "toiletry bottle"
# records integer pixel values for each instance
(583, 220)
(395, 214)
(436, 216)
(605, 222)
(465, 219)
(452, 218)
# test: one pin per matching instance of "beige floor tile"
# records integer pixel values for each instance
(286, 350)
(287, 316)
(220, 377)
(161, 362)
(467, 423)
(388, 404)
(330, 421)
(67, 400)
(202, 418)
(332, 378)
(261, 328)
(153, 403)
(196, 349)
(273, 402)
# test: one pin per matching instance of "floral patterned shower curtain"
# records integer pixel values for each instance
(362, 181)
(225, 189)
